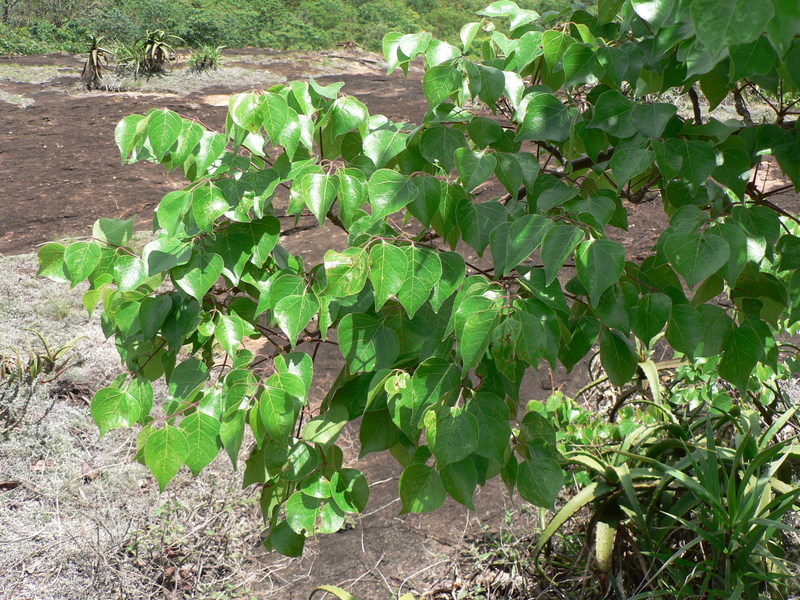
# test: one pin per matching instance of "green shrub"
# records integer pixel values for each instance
(18, 40)
(434, 343)
(205, 58)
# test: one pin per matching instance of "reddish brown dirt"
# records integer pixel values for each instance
(60, 169)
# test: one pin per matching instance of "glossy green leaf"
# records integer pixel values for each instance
(113, 408)
(230, 332)
(439, 83)
(347, 114)
(546, 119)
(697, 256)
(165, 452)
(727, 22)
(80, 259)
(439, 144)
(423, 272)
(325, 428)
(389, 191)
(617, 357)
(421, 489)
(293, 314)
(129, 134)
(627, 163)
(599, 264)
(555, 45)
(453, 273)
(366, 343)
(116, 232)
(452, 434)
(346, 272)
(514, 242)
(208, 205)
(383, 145)
(129, 272)
(389, 267)
(201, 431)
(199, 275)
(613, 114)
(652, 119)
(476, 319)
(350, 490)
(318, 192)
(163, 128)
(51, 262)
(474, 167)
(277, 413)
(557, 245)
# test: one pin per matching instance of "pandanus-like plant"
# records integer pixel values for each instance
(95, 63)
(158, 51)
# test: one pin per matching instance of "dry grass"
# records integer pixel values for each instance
(78, 519)
(34, 74)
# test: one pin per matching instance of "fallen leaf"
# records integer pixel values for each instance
(7, 486)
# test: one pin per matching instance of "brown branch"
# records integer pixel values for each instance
(698, 116)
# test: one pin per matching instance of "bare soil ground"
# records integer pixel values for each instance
(77, 518)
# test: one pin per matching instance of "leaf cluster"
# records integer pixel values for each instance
(564, 118)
